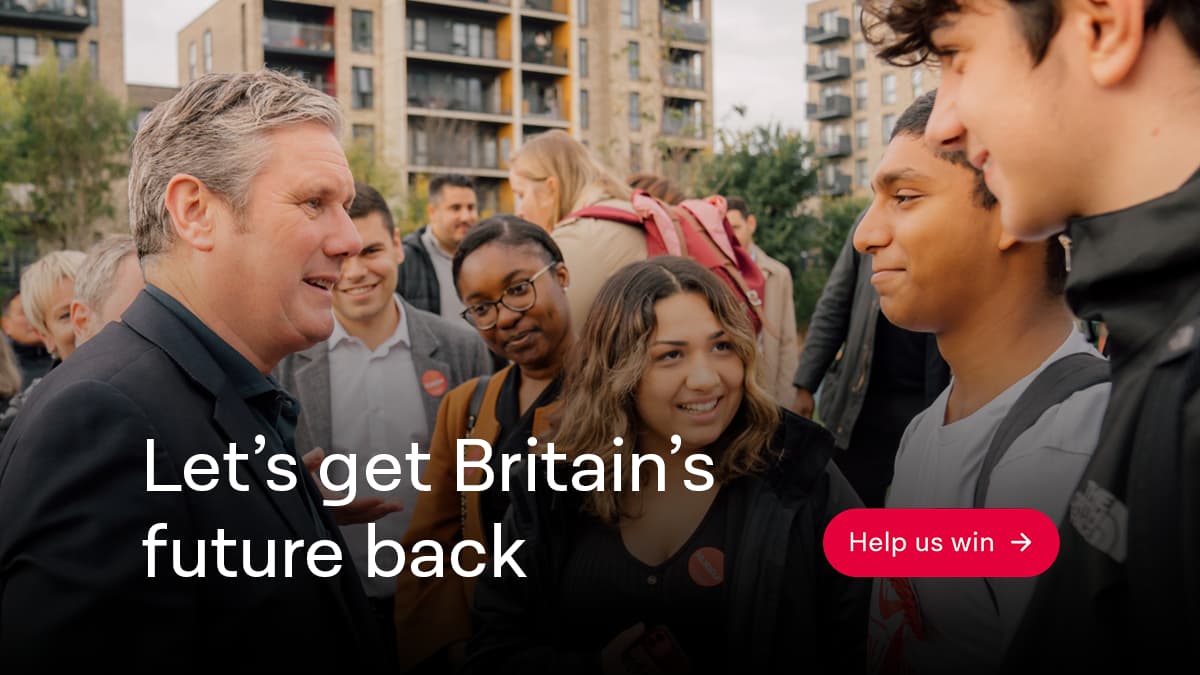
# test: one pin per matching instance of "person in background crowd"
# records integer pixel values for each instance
(10, 374)
(511, 276)
(47, 287)
(780, 344)
(375, 385)
(943, 264)
(238, 194)
(728, 577)
(1029, 89)
(425, 280)
(105, 283)
(877, 376)
(660, 187)
(554, 175)
(33, 359)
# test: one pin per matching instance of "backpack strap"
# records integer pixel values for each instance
(476, 401)
(1052, 386)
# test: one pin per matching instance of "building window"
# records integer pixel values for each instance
(365, 134)
(860, 95)
(889, 123)
(418, 34)
(635, 157)
(18, 53)
(635, 61)
(67, 53)
(208, 51)
(363, 95)
(829, 57)
(585, 114)
(889, 88)
(830, 134)
(828, 20)
(861, 134)
(860, 174)
(191, 60)
(629, 14)
(94, 57)
(362, 30)
(581, 12)
(860, 55)
(583, 57)
(918, 82)
(635, 111)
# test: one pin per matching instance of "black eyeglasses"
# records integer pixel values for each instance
(520, 297)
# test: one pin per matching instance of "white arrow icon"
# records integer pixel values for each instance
(1024, 541)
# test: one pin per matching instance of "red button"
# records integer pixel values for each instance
(941, 542)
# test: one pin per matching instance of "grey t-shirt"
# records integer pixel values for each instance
(452, 307)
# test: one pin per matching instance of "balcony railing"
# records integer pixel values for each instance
(317, 81)
(682, 77)
(819, 34)
(297, 37)
(831, 107)
(824, 71)
(553, 6)
(451, 145)
(494, 53)
(540, 55)
(837, 184)
(682, 126)
(839, 148)
(445, 99)
(66, 15)
(679, 26)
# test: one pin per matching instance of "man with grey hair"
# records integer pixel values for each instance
(163, 442)
(106, 284)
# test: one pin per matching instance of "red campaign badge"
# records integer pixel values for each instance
(707, 567)
(434, 383)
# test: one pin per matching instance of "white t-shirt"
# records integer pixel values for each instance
(951, 625)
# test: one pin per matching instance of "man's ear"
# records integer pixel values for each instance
(429, 208)
(751, 224)
(399, 247)
(192, 207)
(80, 316)
(1114, 32)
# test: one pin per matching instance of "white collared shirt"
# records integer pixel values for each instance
(376, 407)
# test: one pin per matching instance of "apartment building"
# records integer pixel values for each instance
(436, 86)
(32, 30)
(645, 79)
(854, 98)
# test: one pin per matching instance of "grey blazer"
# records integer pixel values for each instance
(438, 344)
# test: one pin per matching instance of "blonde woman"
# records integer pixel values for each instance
(728, 578)
(552, 177)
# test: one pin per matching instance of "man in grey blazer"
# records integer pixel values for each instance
(376, 384)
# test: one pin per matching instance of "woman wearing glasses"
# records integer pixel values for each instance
(510, 275)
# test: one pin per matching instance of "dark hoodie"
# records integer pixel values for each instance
(1124, 592)
(788, 610)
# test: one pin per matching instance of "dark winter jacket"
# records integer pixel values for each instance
(788, 609)
(1124, 592)
(418, 282)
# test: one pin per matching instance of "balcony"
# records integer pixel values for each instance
(681, 76)
(835, 183)
(839, 148)
(830, 108)
(682, 126)
(549, 57)
(314, 79)
(296, 38)
(815, 35)
(680, 26)
(64, 15)
(821, 72)
(499, 6)
(458, 100)
(550, 9)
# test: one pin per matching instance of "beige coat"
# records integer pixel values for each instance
(593, 250)
(780, 348)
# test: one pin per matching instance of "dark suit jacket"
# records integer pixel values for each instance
(73, 478)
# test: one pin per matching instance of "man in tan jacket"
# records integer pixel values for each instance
(780, 348)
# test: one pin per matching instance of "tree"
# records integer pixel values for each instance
(10, 143)
(73, 137)
(773, 169)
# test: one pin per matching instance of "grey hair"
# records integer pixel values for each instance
(95, 277)
(214, 130)
(38, 282)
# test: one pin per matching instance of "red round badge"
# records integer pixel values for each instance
(434, 383)
(707, 567)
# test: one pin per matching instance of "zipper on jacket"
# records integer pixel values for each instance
(1066, 244)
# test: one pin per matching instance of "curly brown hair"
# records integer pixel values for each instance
(607, 364)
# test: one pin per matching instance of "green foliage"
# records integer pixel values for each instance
(71, 140)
